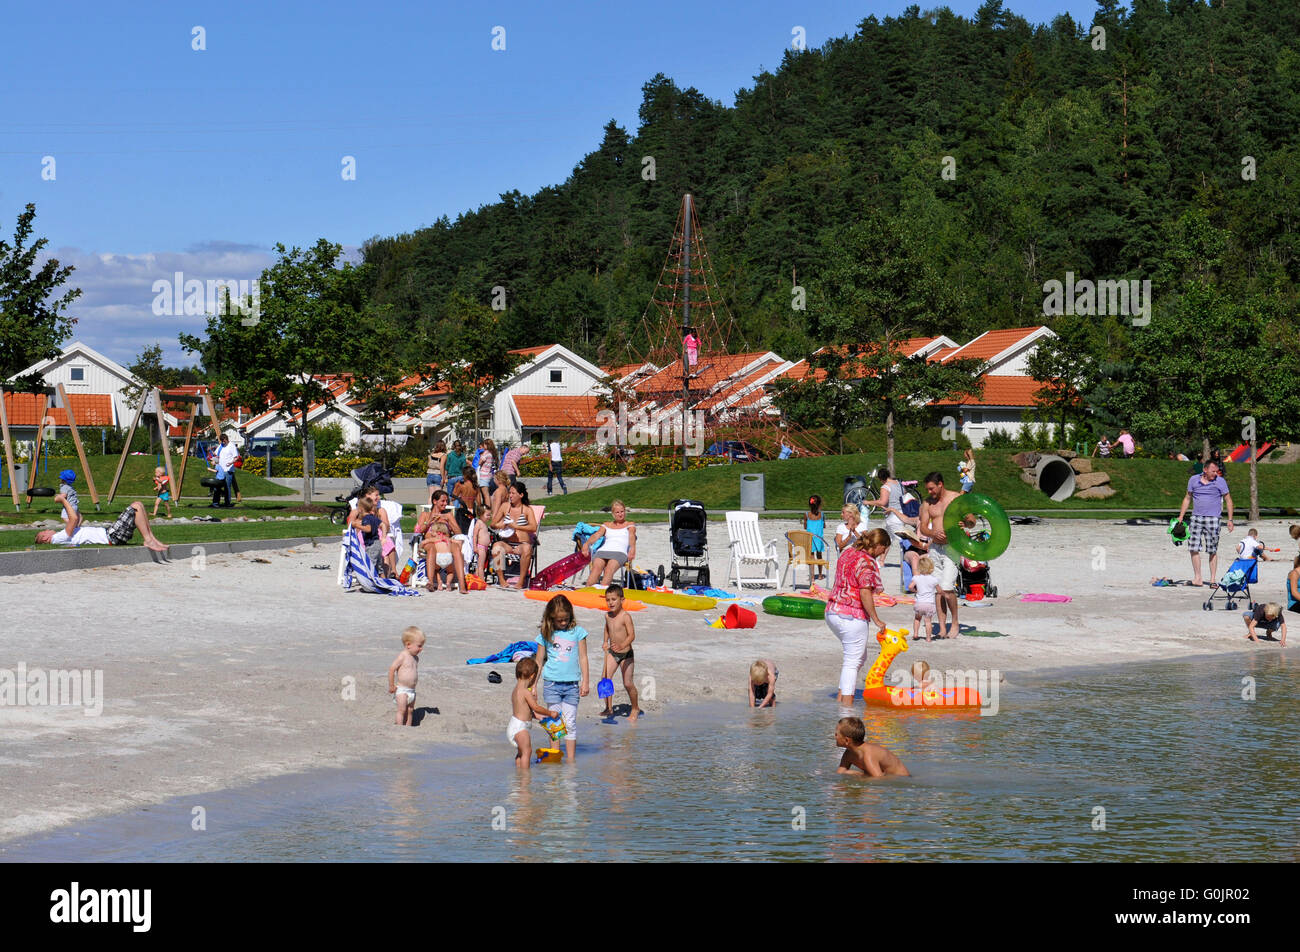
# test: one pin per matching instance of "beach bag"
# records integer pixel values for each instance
(637, 579)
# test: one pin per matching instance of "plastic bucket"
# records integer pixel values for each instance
(976, 593)
(738, 617)
(549, 755)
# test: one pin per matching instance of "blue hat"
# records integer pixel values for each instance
(68, 476)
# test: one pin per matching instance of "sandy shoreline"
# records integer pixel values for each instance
(222, 675)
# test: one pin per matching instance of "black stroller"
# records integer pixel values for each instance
(971, 572)
(688, 531)
(370, 474)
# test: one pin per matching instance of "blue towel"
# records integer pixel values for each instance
(507, 654)
(705, 590)
(361, 571)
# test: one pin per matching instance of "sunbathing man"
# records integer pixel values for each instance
(119, 533)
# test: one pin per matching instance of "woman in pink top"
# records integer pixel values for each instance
(853, 601)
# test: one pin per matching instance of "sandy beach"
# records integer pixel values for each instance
(237, 670)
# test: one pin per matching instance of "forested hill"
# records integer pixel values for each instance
(1122, 162)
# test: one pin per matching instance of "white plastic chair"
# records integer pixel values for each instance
(748, 550)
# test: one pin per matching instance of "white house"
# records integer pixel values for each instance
(1008, 388)
(84, 372)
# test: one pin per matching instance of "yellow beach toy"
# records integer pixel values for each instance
(549, 755)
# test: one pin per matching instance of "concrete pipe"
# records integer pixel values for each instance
(1054, 477)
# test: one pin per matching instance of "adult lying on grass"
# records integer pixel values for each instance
(133, 517)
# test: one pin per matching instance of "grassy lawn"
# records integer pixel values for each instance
(1141, 485)
(137, 483)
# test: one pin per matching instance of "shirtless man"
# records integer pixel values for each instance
(930, 528)
(133, 517)
(872, 759)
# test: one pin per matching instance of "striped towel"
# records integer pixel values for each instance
(360, 571)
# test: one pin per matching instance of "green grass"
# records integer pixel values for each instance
(1141, 485)
(137, 483)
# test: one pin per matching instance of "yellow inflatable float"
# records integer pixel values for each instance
(691, 603)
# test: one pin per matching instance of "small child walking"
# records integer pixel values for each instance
(404, 672)
(162, 491)
(814, 520)
(562, 653)
(762, 683)
(926, 585)
(523, 705)
(617, 649)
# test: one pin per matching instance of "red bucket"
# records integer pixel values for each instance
(738, 617)
(975, 594)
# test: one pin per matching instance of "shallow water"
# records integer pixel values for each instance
(1183, 767)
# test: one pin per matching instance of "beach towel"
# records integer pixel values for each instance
(524, 649)
(1044, 597)
(710, 592)
(360, 571)
(509, 654)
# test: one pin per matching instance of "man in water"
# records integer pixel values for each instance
(119, 533)
(872, 759)
(930, 529)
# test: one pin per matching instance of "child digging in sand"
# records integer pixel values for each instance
(871, 759)
(762, 683)
(617, 649)
(523, 705)
(403, 674)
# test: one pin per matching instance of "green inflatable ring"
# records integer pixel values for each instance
(795, 606)
(999, 527)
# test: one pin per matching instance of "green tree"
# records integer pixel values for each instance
(472, 356)
(1067, 367)
(149, 368)
(33, 322)
(309, 326)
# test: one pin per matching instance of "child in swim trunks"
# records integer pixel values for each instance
(404, 672)
(617, 645)
(438, 557)
(162, 491)
(762, 683)
(523, 705)
(872, 759)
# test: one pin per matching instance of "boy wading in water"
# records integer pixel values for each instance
(404, 673)
(871, 759)
(523, 705)
(930, 528)
(619, 635)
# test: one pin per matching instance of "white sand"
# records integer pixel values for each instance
(225, 674)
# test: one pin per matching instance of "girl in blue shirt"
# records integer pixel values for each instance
(562, 653)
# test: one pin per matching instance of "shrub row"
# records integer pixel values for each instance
(576, 463)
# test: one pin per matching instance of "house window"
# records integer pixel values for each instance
(557, 376)
(977, 417)
(78, 373)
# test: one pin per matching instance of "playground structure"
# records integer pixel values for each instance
(46, 422)
(157, 398)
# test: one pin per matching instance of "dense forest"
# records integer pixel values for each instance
(1126, 161)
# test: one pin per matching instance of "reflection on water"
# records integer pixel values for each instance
(1180, 765)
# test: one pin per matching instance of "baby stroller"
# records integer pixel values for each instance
(370, 474)
(688, 531)
(970, 572)
(1236, 581)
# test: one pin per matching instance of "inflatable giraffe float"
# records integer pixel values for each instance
(892, 644)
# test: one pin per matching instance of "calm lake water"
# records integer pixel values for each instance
(1183, 767)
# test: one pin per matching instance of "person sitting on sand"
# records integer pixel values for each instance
(762, 683)
(619, 635)
(872, 759)
(523, 705)
(133, 517)
(403, 674)
(1267, 618)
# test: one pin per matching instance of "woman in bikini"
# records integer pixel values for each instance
(499, 498)
(619, 547)
(515, 527)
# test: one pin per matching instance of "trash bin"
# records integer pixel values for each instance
(753, 492)
(20, 477)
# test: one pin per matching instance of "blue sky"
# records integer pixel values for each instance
(166, 158)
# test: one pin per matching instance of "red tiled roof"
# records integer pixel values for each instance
(1000, 391)
(574, 412)
(90, 409)
(940, 355)
(711, 370)
(533, 351)
(991, 343)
